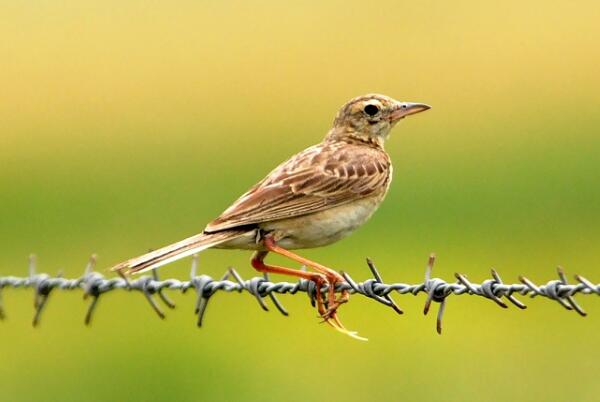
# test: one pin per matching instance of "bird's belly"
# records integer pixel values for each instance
(324, 227)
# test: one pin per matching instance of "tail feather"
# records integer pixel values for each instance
(176, 251)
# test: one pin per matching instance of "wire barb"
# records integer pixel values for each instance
(437, 291)
(93, 285)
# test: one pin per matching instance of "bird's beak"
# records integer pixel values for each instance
(404, 109)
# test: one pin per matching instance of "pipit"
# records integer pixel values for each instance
(313, 199)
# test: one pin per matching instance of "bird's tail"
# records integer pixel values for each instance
(176, 251)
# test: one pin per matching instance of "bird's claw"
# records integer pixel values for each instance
(329, 314)
(335, 322)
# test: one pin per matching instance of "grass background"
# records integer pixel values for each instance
(128, 126)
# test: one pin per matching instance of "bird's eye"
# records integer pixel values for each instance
(371, 110)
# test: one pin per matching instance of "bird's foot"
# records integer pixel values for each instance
(328, 310)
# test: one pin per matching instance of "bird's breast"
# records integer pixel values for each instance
(323, 227)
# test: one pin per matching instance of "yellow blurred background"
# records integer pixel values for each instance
(128, 125)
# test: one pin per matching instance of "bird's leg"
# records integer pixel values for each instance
(332, 277)
(319, 279)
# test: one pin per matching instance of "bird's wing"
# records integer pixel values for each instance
(319, 178)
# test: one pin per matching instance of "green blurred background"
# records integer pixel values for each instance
(127, 126)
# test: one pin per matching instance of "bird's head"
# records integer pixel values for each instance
(371, 117)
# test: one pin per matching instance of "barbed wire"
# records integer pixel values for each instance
(94, 284)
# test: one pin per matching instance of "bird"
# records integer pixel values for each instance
(315, 198)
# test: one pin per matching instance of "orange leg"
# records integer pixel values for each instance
(319, 279)
(323, 276)
(333, 277)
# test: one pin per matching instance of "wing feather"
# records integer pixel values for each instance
(321, 177)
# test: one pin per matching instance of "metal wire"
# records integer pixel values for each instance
(94, 284)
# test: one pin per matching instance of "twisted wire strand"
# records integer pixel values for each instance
(94, 285)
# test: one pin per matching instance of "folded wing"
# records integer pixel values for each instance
(321, 177)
